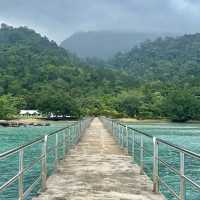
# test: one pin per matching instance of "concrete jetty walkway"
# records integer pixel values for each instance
(97, 169)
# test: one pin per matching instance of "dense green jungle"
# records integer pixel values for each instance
(154, 80)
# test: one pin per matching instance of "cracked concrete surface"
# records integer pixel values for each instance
(97, 169)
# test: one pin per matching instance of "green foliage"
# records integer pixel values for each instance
(161, 66)
(50, 78)
(181, 105)
(170, 60)
(128, 105)
(51, 101)
(156, 80)
(9, 106)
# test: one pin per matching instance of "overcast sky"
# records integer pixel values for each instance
(58, 19)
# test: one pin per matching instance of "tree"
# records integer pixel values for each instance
(180, 105)
(57, 103)
(8, 106)
(135, 84)
(129, 105)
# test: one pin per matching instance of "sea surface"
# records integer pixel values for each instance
(12, 137)
(186, 135)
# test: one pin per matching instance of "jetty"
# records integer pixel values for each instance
(98, 169)
(98, 159)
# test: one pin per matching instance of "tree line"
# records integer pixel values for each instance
(158, 79)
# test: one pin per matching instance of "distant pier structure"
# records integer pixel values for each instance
(98, 169)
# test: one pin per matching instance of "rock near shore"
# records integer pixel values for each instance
(6, 123)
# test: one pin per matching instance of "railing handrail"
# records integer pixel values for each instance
(175, 146)
(16, 149)
(69, 138)
(141, 132)
(180, 148)
(121, 132)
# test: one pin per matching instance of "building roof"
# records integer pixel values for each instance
(30, 112)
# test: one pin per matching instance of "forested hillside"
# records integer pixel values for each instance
(51, 79)
(169, 69)
(172, 60)
(156, 80)
(104, 44)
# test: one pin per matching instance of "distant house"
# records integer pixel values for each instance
(53, 116)
(29, 112)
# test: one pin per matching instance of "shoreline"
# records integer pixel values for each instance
(31, 122)
(46, 122)
(134, 120)
(24, 122)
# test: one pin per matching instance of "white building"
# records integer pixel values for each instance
(29, 112)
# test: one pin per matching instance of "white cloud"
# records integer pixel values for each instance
(60, 18)
(187, 6)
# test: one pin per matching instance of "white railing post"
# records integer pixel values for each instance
(56, 153)
(133, 145)
(182, 179)
(79, 133)
(118, 133)
(155, 166)
(44, 163)
(112, 127)
(21, 175)
(122, 137)
(141, 155)
(115, 130)
(64, 144)
(24, 189)
(67, 139)
(127, 137)
(80, 128)
(70, 136)
(73, 135)
(119, 137)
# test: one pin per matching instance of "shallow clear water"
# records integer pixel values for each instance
(12, 137)
(185, 135)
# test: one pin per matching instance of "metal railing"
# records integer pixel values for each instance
(58, 142)
(158, 163)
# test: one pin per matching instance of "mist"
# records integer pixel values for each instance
(59, 19)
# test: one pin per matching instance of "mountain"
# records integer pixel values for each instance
(49, 78)
(104, 44)
(173, 60)
(154, 80)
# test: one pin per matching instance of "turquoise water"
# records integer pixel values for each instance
(185, 135)
(13, 137)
